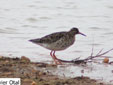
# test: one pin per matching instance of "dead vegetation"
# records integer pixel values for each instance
(89, 58)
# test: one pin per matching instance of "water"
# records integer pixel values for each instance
(21, 20)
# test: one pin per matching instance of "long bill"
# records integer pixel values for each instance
(81, 34)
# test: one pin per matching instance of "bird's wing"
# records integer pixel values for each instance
(49, 38)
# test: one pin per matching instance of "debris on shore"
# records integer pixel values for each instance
(30, 74)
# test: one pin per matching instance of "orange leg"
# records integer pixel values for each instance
(53, 57)
(56, 58)
(52, 53)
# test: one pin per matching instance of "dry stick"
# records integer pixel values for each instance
(92, 46)
(99, 52)
(92, 50)
(98, 55)
(104, 53)
(85, 60)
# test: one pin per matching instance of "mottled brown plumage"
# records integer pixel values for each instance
(57, 41)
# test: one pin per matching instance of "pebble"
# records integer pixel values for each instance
(33, 83)
(24, 58)
(106, 60)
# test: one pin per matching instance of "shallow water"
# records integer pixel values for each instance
(24, 20)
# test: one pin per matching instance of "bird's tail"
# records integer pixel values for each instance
(32, 40)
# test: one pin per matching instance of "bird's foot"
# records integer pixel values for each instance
(58, 62)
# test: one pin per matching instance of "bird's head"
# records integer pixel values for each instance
(75, 31)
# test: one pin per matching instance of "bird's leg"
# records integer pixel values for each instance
(56, 58)
(51, 53)
(54, 55)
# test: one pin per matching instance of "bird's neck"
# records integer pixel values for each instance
(72, 34)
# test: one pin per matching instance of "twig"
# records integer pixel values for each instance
(92, 50)
(91, 57)
(99, 52)
(92, 47)
(76, 61)
(105, 52)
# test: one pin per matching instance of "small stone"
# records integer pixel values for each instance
(6, 61)
(66, 84)
(33, 83)
(34, 71)
(27, 82)
(41, 73)
(1, 57)
(7, 73)
(52, 65)
(106, 60)
(24, 58)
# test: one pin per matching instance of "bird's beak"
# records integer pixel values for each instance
(81, 34)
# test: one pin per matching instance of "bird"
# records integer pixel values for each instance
(57, 41)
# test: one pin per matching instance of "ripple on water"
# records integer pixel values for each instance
(108, 33)
(31, 5)
(95, 44)
(31, 19)
(31, 26)
(6, 9)
(111, 7)
(44, 17)
(95, 28)
(8, 30)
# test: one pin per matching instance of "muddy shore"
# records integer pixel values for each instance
(32, 73)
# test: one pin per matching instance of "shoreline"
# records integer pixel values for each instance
(32, 73)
